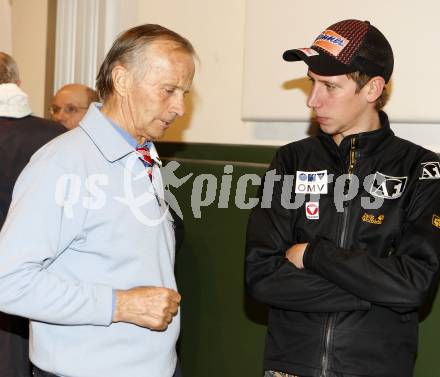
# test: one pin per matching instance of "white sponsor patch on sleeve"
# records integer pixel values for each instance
(388, 187)
(430, 170)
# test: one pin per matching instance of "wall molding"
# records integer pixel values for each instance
(6, 26)
(84, 33)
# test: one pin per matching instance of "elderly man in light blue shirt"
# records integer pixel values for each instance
(87, 249)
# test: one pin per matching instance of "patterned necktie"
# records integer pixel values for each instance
(145, 157)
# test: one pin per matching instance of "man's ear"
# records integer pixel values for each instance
(375, 88)
(121, 80)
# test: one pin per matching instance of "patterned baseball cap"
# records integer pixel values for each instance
(345, 47)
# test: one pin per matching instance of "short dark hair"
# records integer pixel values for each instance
(8, 69)
(128, 46)
(361, 79)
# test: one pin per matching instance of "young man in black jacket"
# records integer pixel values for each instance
(346, 248)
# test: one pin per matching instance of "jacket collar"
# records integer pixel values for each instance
(366, 142)
(13, 101)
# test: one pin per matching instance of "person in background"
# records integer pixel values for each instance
(94, 271)
(70, 104)
(348, 249)
(21, 134)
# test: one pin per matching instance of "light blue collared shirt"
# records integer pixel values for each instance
(87, 235)
(127, 137)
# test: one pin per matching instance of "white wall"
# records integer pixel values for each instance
(286, 27)
(217, 30)
(29, 34)
(5, 27)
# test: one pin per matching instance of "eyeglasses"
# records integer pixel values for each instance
(69, 109)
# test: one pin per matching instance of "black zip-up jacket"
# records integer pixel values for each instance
(352, 311)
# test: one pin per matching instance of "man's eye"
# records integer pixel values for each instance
(71, 109)
(169, 90)
(330, 86)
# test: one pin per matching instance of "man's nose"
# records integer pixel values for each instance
(179, 106)
(313, 101)
(60, 116)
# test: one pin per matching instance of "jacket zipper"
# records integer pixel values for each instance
(328, 333)
(331, 317)
(345, 215)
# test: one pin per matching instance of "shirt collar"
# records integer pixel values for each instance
(107, 138)
(127, 137)
(13, 101)
(113, 141)
(153, 153)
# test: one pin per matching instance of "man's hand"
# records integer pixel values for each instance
(151, 307)
(295, 254)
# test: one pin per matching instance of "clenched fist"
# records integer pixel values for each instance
(295, 254)
(151, 307)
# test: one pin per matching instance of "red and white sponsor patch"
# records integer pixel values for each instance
(312, 210)
(309, 52)
(331, 42)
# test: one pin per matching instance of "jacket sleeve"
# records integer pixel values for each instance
(401, 281)
(37, 231)
(271, 278)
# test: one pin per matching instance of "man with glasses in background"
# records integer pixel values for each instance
(70, 103)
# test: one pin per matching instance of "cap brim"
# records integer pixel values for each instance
(319, 63)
